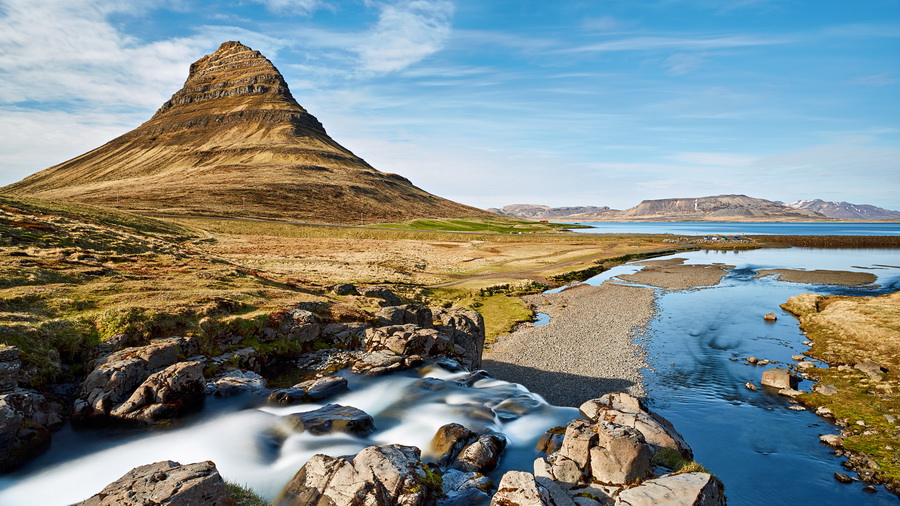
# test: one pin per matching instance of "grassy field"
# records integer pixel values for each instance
(847, 331)
(495, 225)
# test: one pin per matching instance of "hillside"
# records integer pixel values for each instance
(234, 142)
(846, 210)
(539, 212)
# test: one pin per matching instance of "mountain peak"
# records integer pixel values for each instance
(234, 142)
(233, 70)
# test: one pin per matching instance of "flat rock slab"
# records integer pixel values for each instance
(779, 378)
(165, 483)
(697, 489)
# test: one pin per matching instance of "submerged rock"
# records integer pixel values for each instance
(310, 391)
(329, 419)
(779, 378)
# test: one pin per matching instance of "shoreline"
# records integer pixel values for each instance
(584, 352)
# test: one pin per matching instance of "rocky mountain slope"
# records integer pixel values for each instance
(234, 142)
(717, 208)
(846, 210)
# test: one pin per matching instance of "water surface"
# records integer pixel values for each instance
(739, 228)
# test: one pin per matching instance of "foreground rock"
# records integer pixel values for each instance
(390, 474)
(165, 484)
(695, 489)
(327, 420)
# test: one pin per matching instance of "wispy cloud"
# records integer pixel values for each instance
(294, 7)
(883, 79)
(406, 33)
(684, 63)
(686, 43)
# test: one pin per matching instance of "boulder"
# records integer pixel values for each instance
(390, 474)
(779, 378)
(696, 489)
(169, 393)
(388, 298)
(10, 366)
(621, 455)
(165, 484)
(310, 391)
(235, 382)
(521, 488)
(551, 440)
(378, 363)
(449, 440)
(466, 330)
(790, 392)
(344, 289)
(327, 420)
(481, 456)
(410, 339)
(628, 410)
(117, 375)
(872, 369)
(770, 317)
(832, 440)
(20, 440)
(465, 489)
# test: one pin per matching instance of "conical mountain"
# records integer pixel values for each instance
(234, 142)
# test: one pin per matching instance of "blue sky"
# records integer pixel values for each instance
(601, 102)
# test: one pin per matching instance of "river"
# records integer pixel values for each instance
(763, 452)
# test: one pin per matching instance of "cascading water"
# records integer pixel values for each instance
(407, 408)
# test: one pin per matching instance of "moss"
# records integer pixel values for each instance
(672, 459)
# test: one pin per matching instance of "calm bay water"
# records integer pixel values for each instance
(762, 451)
(737, 228)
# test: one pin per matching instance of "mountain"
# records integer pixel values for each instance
(234, 142)
(846, 210)
(717, 208)
(539, 212)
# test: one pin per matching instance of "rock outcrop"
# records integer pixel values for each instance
(234, 142)
(390, 474)
(165, 484)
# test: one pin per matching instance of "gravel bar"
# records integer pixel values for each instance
(588, 348)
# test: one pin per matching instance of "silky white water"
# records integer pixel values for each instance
(407, 410)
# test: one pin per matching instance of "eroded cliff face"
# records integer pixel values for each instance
(234, 142)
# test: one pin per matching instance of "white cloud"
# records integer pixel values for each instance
(719, 159)
(683, 63)
(293, 7)
(406, 33)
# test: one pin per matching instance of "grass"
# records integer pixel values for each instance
(501, 309)
(829, 241)
(493, 225)
(244, 496)
(845, 331)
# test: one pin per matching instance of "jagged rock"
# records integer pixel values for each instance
(165, 484)
(117, 375)
(779, 378)
(35, 408)
(165, 394)
(410, 339)
(10, 365)
(466, 330)
(621, 454)
(310, 390)
(388, 298)
(481, 456)
(188, 346)
(750, 386)
(344, 289)
(521, 488)
(377, 363)
(465, 489)
(235, 382)
(20, 441)
(752, 360)
(873, 369)
(245, 358)
(625, 409)
(843, 478)
(406, 314)
(390, 474)
(696, 489)
(449, 441)
(327, 420)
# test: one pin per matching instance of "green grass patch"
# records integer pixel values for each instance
(244, 496)
(501, 309)
(498, 225)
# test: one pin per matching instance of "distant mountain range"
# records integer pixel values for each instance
(846, 210)
(715, 208)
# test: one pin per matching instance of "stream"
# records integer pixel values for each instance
(763, 452)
